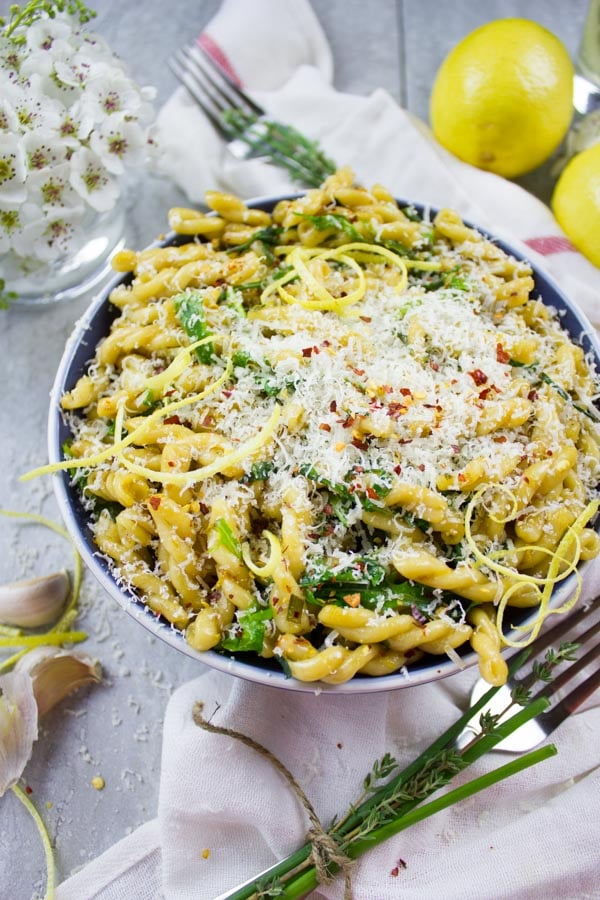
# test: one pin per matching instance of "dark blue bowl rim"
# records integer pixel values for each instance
(79, 350)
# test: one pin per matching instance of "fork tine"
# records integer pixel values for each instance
(553, 717)
(204, 101)
(221, 80)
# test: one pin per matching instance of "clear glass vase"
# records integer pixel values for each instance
(83, 267)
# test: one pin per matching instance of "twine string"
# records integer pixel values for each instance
(325, 852)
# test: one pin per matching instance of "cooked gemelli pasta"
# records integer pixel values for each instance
(340, 436)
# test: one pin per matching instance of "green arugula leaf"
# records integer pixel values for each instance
(189, 307)
(335, 222)
(248, 632)
(227, 538)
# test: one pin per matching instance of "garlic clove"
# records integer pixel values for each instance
(55, 673)
(35, 601)
(18, 726)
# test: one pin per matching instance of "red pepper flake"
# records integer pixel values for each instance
(395, 409)
(461, 477)
(501, 355)
(398, 470)
(169, 393)
(154, 502)
(356, 371)
(333, 406)
(406, 392)
(484, 394)
(328, 509)
(208, 422)
(307, 352)
(352, 600)
(421, 467)
(172, 463)
(325, 343)
(532, 395)
(360, 445)
(478, 376)
(372, 494)
(347, 423)
(395, 872)
(366, 318)
(28, 790)
(339, 745)
(500, 439)
(227, 393)
(324, 426)
(204, 508)
(434, 365)
(172, 420)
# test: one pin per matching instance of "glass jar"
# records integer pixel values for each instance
(84, 266)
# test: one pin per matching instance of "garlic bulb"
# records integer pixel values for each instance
(18, 726)
(35, 601)
(55, 673)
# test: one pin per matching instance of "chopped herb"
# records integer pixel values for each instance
(258, 471)
(227, 538)
(189, 307)
(242, 359)
(248, 632)
(268, 237)
(334, 222)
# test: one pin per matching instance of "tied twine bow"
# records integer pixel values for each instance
(325, 849)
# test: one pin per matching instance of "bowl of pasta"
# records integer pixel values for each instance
(331, 441)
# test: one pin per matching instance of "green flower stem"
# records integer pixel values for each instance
(301, 884)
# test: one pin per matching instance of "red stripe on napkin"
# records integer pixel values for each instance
(214, 51)
(546, 246)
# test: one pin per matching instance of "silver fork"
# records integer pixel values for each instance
(528, 736)
(243, 123)
(537, 730)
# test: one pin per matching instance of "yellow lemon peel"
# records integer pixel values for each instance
(112, 450)
(249, 448)
(274, 560)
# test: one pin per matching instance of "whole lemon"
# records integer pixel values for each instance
(576, 202)
(502, 99)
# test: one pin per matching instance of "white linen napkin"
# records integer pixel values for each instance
(224, 813)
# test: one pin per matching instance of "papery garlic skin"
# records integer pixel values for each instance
(18, 726)
(35, 601)
(55, 673)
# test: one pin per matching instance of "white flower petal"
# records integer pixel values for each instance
(18, 726)
(91, 180)
(13, 169)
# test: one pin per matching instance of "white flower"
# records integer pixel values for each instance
(44, 148)
(48, 35)
(71, 119)
(8, 117)
(50, 189)
(91, 180)
(13, 170)
(109, 92)
(32, 107)
(10, 225)
(119, 143)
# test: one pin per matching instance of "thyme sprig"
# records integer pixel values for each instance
(282, 144)
(393, 799)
